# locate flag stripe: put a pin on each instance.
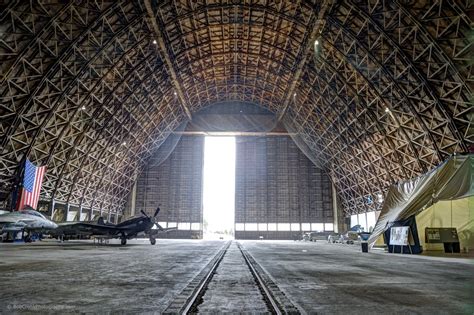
(32, 180)
(39, 180)
(22, 197)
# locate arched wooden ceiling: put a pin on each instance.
(89, 88)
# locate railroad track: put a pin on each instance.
(189, 299)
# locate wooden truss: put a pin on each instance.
(90, 88)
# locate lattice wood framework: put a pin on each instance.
(90, 88)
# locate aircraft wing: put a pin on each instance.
(7, 226)
(18, 222)
(73, 228)
(161, 230)
(168, 229)
(4, 222)
(15, 220)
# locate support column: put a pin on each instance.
(80, 213)
(52, 203)
(133, 201)
(335, 208)
(67, 212)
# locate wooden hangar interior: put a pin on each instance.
(343, 113)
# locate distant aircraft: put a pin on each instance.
(128, 229)
(27, 220)
(355, 233)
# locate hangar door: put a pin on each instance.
(279, 193)
(176, 185)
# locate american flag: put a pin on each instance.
(32, 179)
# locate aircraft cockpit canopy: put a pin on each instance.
(33, 212)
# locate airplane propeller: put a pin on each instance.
(156, 212)
(149, 231)
(152, 219)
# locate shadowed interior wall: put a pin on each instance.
(176, 185)
(279, 191)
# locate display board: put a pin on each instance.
(441, 235)
(399, 235)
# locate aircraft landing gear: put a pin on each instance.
(123, 239)
(27, 237)
(152, 240)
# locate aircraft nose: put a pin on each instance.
(54, 225)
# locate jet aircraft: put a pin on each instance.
(27, 220)
(125, 230)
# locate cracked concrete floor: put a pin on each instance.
(324, 278)
(81, 276)
(339, 279)
(233, 288)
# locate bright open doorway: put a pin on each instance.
(219, 187)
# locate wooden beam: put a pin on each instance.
(308, 51)
(233, 133)
(169, 64)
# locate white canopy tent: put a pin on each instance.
(453, 179)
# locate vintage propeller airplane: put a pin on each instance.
(128, 229)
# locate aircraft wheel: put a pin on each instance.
(123, 241)
(152, 240)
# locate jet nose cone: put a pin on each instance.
(54, 225)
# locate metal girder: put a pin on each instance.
(386, 97)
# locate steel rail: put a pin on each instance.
(197, 286)
(266, 293)
(189, 299)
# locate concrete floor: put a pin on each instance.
(322, 278)
(233, 288)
